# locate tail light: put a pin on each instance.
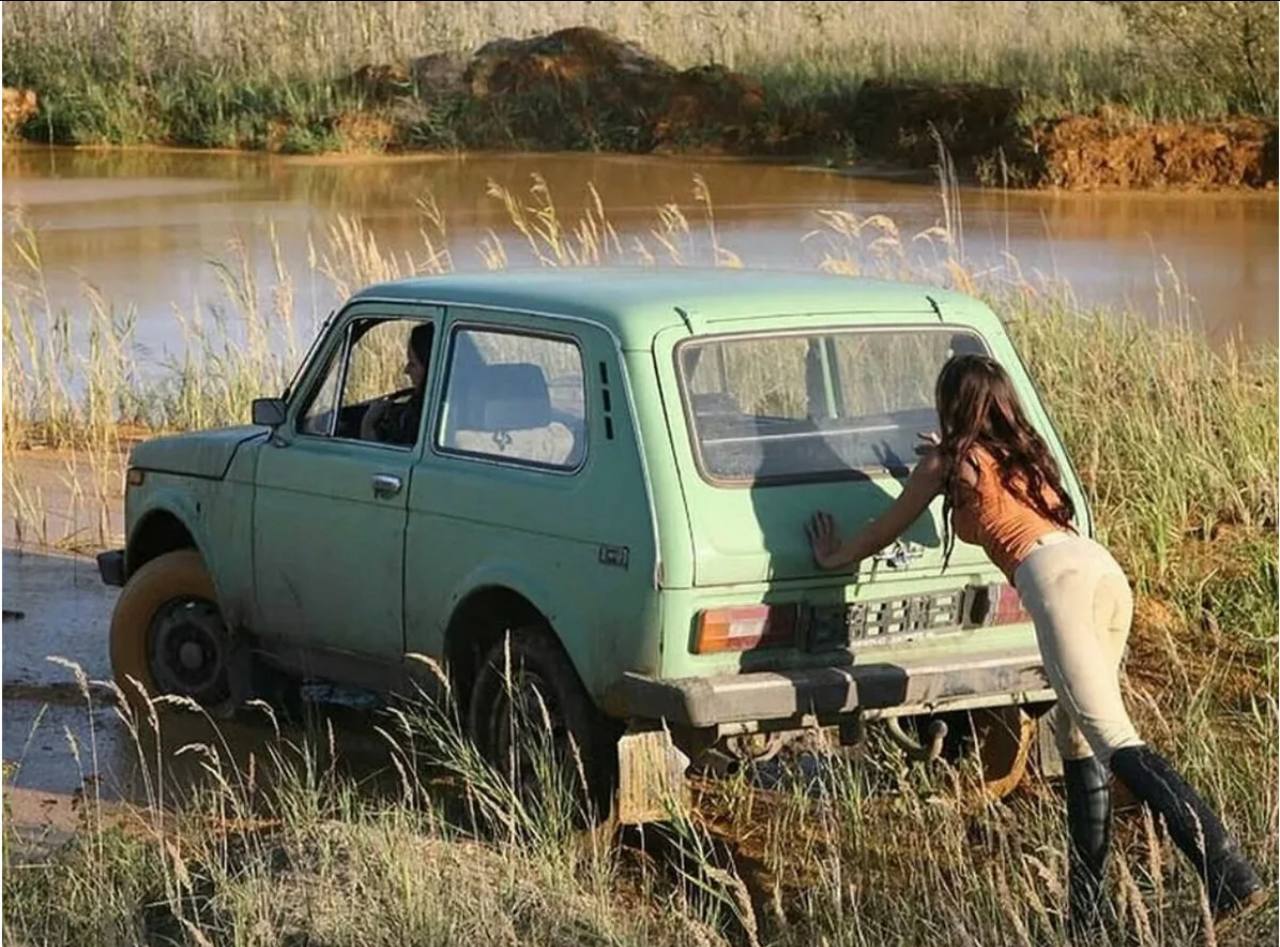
(995, 605)
(745, 628)
(1007, 607)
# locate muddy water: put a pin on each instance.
(143, 226)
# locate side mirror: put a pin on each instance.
(268, 412)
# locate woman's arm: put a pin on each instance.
(922, 486)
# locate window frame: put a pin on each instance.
(877, 472)
(342, 348)
(474, 325)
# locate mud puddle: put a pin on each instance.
(66, 742)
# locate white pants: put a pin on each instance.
(1082, 606)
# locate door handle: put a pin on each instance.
(386, 485)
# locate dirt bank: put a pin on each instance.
(982, 129)
(582, 89)
(20, 106)
(1111, 149)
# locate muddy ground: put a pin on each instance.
(67, 746)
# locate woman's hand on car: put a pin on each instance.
(824, 540)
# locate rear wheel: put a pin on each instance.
(532, 719)
(167, 633)
(1005, 737)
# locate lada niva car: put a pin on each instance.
(599, 478)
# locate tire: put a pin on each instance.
(1005, 738)
(167, 633)
(539, 666)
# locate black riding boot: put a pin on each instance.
(1089, 828)
(1195, 828)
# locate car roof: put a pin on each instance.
(635, 303)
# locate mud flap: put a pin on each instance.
(651, 776)
(1005, 736)
(1048, 759)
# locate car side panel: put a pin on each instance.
(579, 546)
(218, 514)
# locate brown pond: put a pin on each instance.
(142, 226)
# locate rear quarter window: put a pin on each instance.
(515, 397)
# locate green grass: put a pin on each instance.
(270, 75)
(1175, 441)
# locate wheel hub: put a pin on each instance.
(191, 655)
(189, 650)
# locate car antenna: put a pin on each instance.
(937, 310)
(684, 317)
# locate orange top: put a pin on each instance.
(1002, 523)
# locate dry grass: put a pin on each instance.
(432, 846)
(1177, 446)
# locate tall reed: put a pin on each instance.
(1175, 442)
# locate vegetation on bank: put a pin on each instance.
(1176, 443)
(765, 78)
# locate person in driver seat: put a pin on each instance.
(390, 420)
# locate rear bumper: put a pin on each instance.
(923, 685)
(111, 567)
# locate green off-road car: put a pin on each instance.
(598, 479)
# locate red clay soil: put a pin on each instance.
(980, 127)
(1099, 151)
(19, 106)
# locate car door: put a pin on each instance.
(331, 490)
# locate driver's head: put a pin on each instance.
(419, 355)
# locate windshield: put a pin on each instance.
(813, 405)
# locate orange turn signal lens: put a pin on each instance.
(745, 628)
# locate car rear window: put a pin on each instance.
(813, 405)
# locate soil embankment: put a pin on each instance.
(582, 89)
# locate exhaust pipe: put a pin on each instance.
(923, 753)
(715, 762)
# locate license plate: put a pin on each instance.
(838, 626)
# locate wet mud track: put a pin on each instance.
(65, 740)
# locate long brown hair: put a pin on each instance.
(978, 407)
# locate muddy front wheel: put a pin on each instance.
(167, 633)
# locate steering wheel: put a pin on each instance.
(398, 397)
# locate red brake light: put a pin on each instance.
(1008, 607)
(745, 628)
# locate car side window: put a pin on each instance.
(378, 392)
(318, 415)
(516, 397)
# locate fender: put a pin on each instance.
(191, 508)
(567, 622)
